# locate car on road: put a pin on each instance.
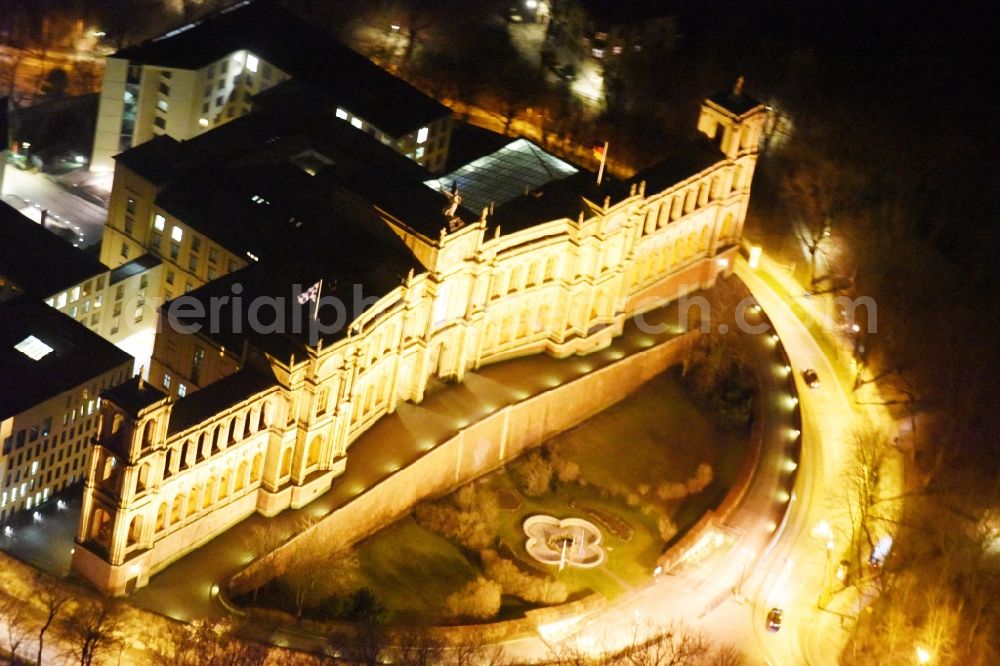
(774, 619)
(811, 378)
(564, 72)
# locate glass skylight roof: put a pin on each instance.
(504, 175)
(33, 348)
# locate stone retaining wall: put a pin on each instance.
(475, 450)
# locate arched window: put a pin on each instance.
(134, 530)
(255, 469)
(223, 490)
(218, 444)
(265, 410)
(241, 476)
(247, 420)
(147, 433)
(314, 451)
(206, 497)
(142, 479)
(231, 434)
(192, 505)
(161, 518)
(286, 462)
(204, 446)
(177, 509)
(169, 462)
(100, 526)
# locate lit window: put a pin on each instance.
(166, 381)
(33, 348)
(252, 63)
(176, 234)
(162, 105)
(356, 122)
(422, 135)
(342, 114)
(420, 152)
(61, 301)
(34, 466)
(181, 390)
(98, 301)
(50, 302)
(74, 295)
(203, 122)
(159, 222)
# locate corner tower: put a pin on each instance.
(733, 120)
(126, 464)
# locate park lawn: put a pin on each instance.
(655, 435)
(411, 570)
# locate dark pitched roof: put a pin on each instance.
(133, 395)
(696, 156)
(156, 160)
(302, 50)
(735, 102)
(212, 399)
(78, 354)
(38, 261)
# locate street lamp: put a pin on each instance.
(923, 655)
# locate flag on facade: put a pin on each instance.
(599, 152)
(310, 294)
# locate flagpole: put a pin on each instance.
(318, 293)
(604, 157)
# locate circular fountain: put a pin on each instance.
(568, 542)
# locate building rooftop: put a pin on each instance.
(735, 100)
(133, 395)
(512, 171)
(36, 260)
(156, 159)
(44, 353)
(134, 267)
(228, 391)
(303, 51)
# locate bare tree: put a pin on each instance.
(93, 627)
(53, 595)
(14, 618)
(415, 646)
(205, 644)
(816, 191)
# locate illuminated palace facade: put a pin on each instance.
(169, 474)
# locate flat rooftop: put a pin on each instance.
(44, 353)
(38, 261)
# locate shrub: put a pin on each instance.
(702, 477)
(541, 589)
(479, 599)
(467, 517)
(566, 471)
(667, 528)
(672, 491)
(533, 474)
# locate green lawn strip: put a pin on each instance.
(412, 570)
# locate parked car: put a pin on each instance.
(811, 378)
(774, 619)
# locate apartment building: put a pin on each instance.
(207, 73)
(52, 370)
